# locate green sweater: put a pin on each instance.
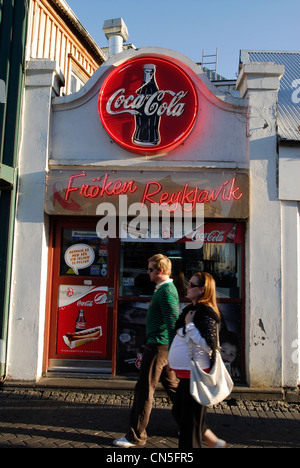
(162, 315)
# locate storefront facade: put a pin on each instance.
(125, 183)
(148, 157)
(86, 259)
(92, 196)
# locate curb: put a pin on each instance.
(121, 386)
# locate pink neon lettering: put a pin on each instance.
(70, 188)
(92, 191)
(146, 196)
(153, 191)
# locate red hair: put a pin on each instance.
(209, 297)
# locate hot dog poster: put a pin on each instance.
(82, 321)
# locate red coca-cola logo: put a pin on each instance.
(148, 105)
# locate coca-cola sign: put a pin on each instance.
(148, 105)
(215, 233)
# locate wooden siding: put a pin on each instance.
(49, 36)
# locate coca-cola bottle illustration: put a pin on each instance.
(147, 121)
(80, 323)
(231, 235)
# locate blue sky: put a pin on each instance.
(189, 26)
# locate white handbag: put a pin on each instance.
(211, 388)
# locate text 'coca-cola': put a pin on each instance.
(148, 105)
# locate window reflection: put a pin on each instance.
(222, 261)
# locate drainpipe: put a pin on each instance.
(116, 32)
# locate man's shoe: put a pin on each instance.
(123, 443)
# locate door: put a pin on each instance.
(82, 304)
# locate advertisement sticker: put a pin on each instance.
(82, 320)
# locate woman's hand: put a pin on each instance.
(190, 316)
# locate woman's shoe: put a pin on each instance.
(220, 444)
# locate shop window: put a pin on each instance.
(221, 260)
(220, 255)
(132, 336)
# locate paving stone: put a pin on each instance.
(51, 418)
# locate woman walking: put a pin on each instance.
(197, 324)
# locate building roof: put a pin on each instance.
(288, 107)
(212, 74)
(72, 18)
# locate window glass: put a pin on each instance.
(83, 253)
(73, 84)
(132, 336)
(221, 259)
(77, 82)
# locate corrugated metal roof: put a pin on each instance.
(213, 75)
(288, 111)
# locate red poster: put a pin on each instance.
(82, 321)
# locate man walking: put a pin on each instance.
(160, 331)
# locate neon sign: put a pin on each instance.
(153, 192)
(92, 191)
(227, 191)
(148, 105)
(223, 194)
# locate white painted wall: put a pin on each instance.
(28, 296)
(259, 82)
(289, 193)
(290, 293)
(289, 173)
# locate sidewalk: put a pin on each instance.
(41, 417)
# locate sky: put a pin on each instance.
(189, 26)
